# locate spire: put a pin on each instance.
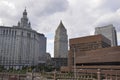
(61, 28)
(61, 25)
(25, 12)
(18, 24)
(24, 23)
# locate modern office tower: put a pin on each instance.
(21, 45)
(109, 32)
(61, 42)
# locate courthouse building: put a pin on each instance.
(21, 45)
(91, 51)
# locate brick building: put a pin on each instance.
(92, 51)
(89, 43)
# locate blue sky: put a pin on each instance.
(80, 17)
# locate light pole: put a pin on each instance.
(74, 64)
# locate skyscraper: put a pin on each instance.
(109, 32)
(61, 42)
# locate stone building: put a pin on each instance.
(61, 42)
(109, 32)
(21, 45)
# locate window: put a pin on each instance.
(28, 35)
(34, 36)
(21, 33)
(12, 32)
(3, 31)
(9, 31)
(15, 32)
(6, 32)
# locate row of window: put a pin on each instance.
(89, 46)
(86, 46)
(14, 33)
(9, 32)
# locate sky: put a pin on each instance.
(80, 17)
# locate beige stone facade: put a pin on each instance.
(61, 42)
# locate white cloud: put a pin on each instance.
(8, 4)
(1, 21)
(111, 18)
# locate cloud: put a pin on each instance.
(111, 18)
(54, 6)
(47, 7)
(1, 21)
(7, 12)
(112, 5)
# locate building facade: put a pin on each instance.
(88, 43)
(104, 56)
(61, 42)
(109, 32)
(20, 45)
(79, 47)
(59, 62)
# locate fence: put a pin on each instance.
(82, 74)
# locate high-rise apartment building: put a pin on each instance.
(109, 32)
(61, 42)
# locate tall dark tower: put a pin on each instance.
(61, 42)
